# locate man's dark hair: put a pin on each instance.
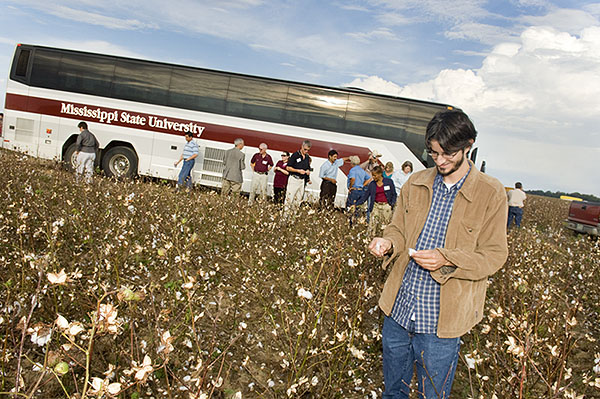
(453, 130)
(332, 153)
(82, 125)
(190, 134)
(377, 170)
(518, 185)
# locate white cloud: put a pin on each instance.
(377, 34)
(566, 20)
(482, 33)
(98, 19)
(534, 103)
(453, 11)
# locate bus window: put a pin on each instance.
(316, 108)
(44, 72)
(22, 62)
(86, 74)
(256, 99)
(137, 81)
(376, 117)
(198, 90)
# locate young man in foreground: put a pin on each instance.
(455, 218)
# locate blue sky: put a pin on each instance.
(526, 71)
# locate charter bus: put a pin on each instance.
(140, 110)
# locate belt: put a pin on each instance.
(357, 189)
(262, 173)
(298, 177)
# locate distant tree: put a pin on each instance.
(557, 194)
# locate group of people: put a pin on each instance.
(368, 182)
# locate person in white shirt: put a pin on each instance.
(400, 177)
(516, 201)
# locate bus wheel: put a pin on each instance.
(70, 159)
(120, 162)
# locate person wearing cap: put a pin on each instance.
(328, 175)
(281, 178)
(261, 164)
(370, 163)
(234, 162)
(401, 176)
(299, 168)
(357, 180)
(190, 152)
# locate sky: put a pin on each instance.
(527, 72)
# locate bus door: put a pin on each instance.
(166, 149)
(48, 137)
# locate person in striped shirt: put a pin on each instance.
(190, 152)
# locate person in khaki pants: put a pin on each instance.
(234, 163)
(381, 197)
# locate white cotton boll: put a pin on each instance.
(305, 293)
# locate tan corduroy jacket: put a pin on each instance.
(475, 243)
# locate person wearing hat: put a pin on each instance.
(370, 163)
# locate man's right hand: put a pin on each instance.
(380, 246)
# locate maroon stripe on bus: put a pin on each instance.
(212, 132)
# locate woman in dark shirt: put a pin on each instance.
(381, 195)
(281, 178)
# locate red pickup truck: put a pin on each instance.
(584, 217)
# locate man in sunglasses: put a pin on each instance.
(447, 236)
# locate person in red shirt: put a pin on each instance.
(381, 195)
(261, 163)
(281, 178)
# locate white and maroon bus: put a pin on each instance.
(139, 111)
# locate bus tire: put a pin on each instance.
(120, 162)
(70, 159)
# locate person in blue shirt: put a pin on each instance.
(357, 180)
(190, 152)
(328, 175)
(381, 197)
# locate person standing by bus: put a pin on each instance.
(370, 163)
(358, 178)
(86, 147)
(299, 168)
(328, 175)
(381, 197)
(401, 176)
(190, 152)
(234, 162)
(454, 217)
(281, 178)
(261, 164)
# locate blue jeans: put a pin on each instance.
(435, 358)
(185, 174)
(353, 197)
(516, 213)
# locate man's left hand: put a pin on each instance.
(430, 259)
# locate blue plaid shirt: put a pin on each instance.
(418, 299)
